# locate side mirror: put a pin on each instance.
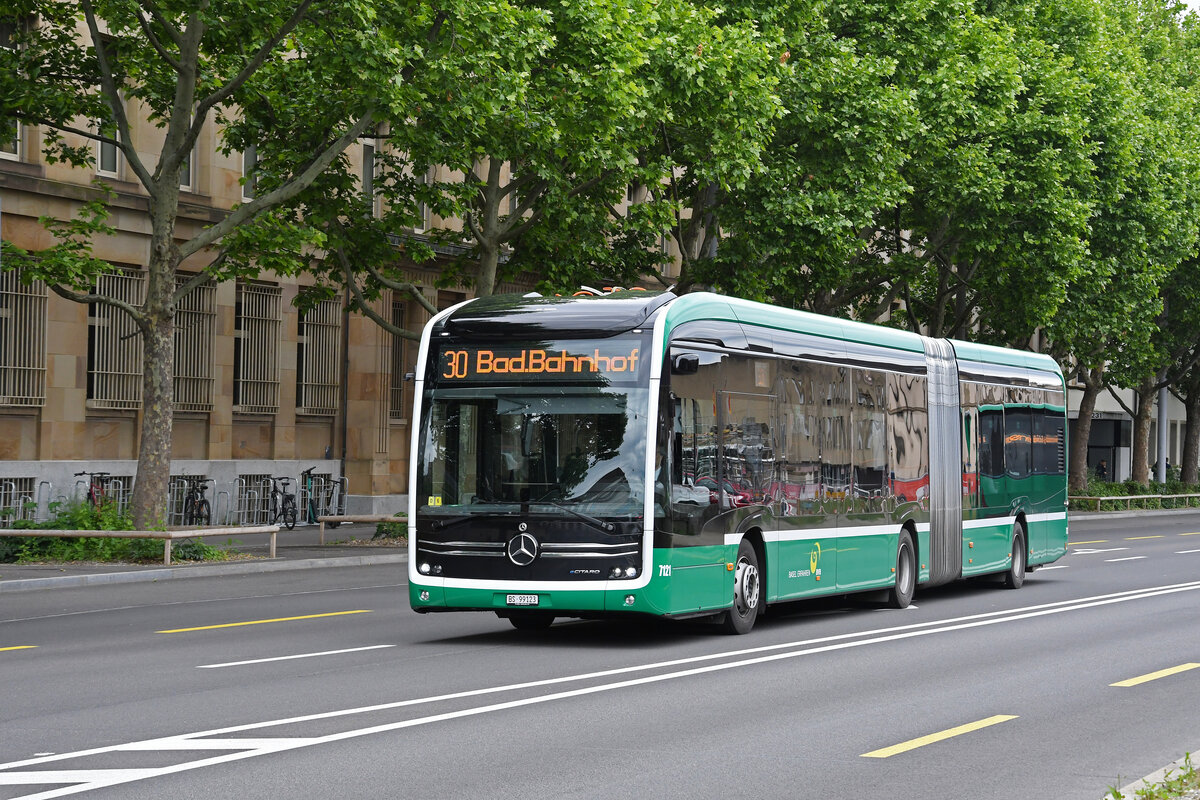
(685, 364)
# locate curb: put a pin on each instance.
(194, 571)
(1153, 779)
(1080, 516)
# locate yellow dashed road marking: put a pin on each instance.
(913, 744)
(263, 621)
(1153, 676)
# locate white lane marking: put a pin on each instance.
(1126, 558)
(289, 658)
(1091, 551)
(1181, 552)
(104, 778)
(1054, 566)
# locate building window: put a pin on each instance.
(115, 343)
(187, 177)
(368, 173)
(424, 217)
(249, 163)
(195, 324)
(257, 319)
(10, 140)
(317, 361)
(22, 341)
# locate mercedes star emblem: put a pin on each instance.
(522, 549)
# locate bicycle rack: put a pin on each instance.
(227, 518)
(43, 508)
(8, 489)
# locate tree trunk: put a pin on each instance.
(149, 503)
(489, 262)
(1141, 432)
(1191, 436)
(1077, 472)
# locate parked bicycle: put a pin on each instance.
(283, 502)
(196, 510)
(97, 491)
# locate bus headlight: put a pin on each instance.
(616, 572)
(631, 572)
(423, 569)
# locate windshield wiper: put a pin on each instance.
(607, 527)
(468, 516)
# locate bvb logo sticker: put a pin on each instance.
(814, 558)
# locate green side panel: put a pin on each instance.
(987, 549)
(689, 579)
(923, 537)
(1051, 536)
(866, 562)
(804, 568)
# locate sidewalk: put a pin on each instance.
(296, 549)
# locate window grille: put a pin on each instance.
(399, 364)
(17, 500)
(257, 319)
(195, 322)
(22, 341)
(317, 362)
(115, 344)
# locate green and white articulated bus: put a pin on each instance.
(643, 453)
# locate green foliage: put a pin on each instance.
(104, 517)
(390, 530)
(1176, 784)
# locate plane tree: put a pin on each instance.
(86, 71)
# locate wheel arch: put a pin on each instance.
(754, 535)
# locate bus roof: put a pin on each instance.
(705, 305)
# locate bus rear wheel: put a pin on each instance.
(900, 595)
(747, 592)
(1015, 576)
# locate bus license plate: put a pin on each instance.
(522, 600)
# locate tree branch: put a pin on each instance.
(77, 297)
(112, 95)
(364, 307)
(282, 194)
(256, 61)
(156, 14)
(144, 24)
(208, 273)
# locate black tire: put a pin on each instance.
(747, 592)
(900, 595)
(1014, 577)
(203, 514)
(289, 514)
(530, 620)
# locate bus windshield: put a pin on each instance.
(558, 450)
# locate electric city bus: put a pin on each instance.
(700, 455)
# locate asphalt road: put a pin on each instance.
(322, 683)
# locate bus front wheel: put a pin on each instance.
(747, 591)
(900, 595)
(530, 620)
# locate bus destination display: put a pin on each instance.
(610, 360)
